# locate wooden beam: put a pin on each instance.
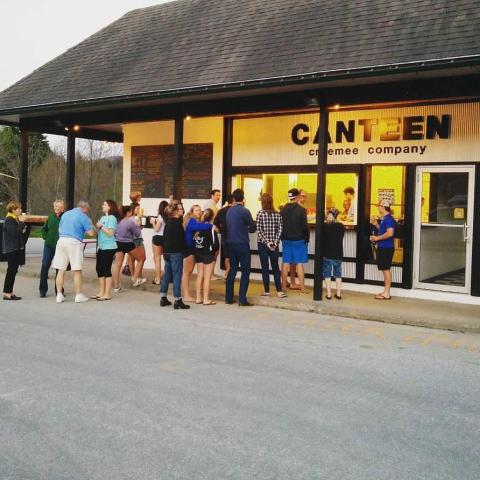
(227, 157)
(321, 185)
(70, 171)
(23, 184)
(178, 158)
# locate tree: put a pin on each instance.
(10, 155)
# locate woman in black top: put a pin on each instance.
(13, 247)
(174, 245)
(333, 233)
(206, 248)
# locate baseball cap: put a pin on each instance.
(385, 203)
(293, 193)
(334, 212)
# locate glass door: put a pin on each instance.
(443, 228)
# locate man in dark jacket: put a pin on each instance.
(239, 224)
(220, 222)
(295, 238)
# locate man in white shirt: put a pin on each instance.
(212, 203)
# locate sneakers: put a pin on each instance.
(179, 305)
(281, 294)
(139, 282)
(265, 294)
(80, 298)
(165, 302)
(117, 290)
(60, 297)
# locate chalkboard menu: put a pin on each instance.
(152, 170)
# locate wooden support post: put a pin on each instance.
(178, 158)
(321, 183)
(23, 181)
(227, 157)
(70, 171)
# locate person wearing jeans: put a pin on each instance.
(239, 224)
(269, 231)
(50, 236)
(175, 246)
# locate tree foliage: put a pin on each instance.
(10, 155)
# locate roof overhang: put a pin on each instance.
(96, 112)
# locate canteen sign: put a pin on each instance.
(430, 133)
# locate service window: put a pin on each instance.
(341, 192)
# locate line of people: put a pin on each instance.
(185, 241)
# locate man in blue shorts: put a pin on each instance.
(295, 237)
(384, 240)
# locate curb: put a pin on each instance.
(338, 310)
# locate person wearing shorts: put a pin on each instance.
(384, 239)
(295, 238)
(127, 231)
(333, 233)
(135, 265)
(158, 225)
(206, 248)
(107, 248)
(74, 224)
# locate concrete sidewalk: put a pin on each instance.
(405, 311)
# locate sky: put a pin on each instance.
(32, 32)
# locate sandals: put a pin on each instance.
(95, 297)
(207, 304)
(379, 296)
(328, 297)
(338, 297)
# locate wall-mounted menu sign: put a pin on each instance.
(152, 170)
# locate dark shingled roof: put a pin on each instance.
(192, 43)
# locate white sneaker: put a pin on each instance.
(80, 298)
(139, 282)
(117, 290)
(60, 297)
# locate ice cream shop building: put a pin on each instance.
(353, 102)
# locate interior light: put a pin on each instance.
(336, 106)
(76, 128)
(188, 117)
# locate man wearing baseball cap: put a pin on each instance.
(295, 237)
(385, 246)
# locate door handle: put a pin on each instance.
(465, 232)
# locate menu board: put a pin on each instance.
(152, 170)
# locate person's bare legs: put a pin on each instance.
(207, 277)
(188, 267)
(157, 258)
(101, 287)
(77, 281)
(328, 285)
(387, 278)
(107, 292)
(285, 269)
(293, 278)
(301, 277)
(138, 255)
(131, 263)
(338, 282)
(140, 261)
(117, 267)
(200, 279)
(60, 280)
